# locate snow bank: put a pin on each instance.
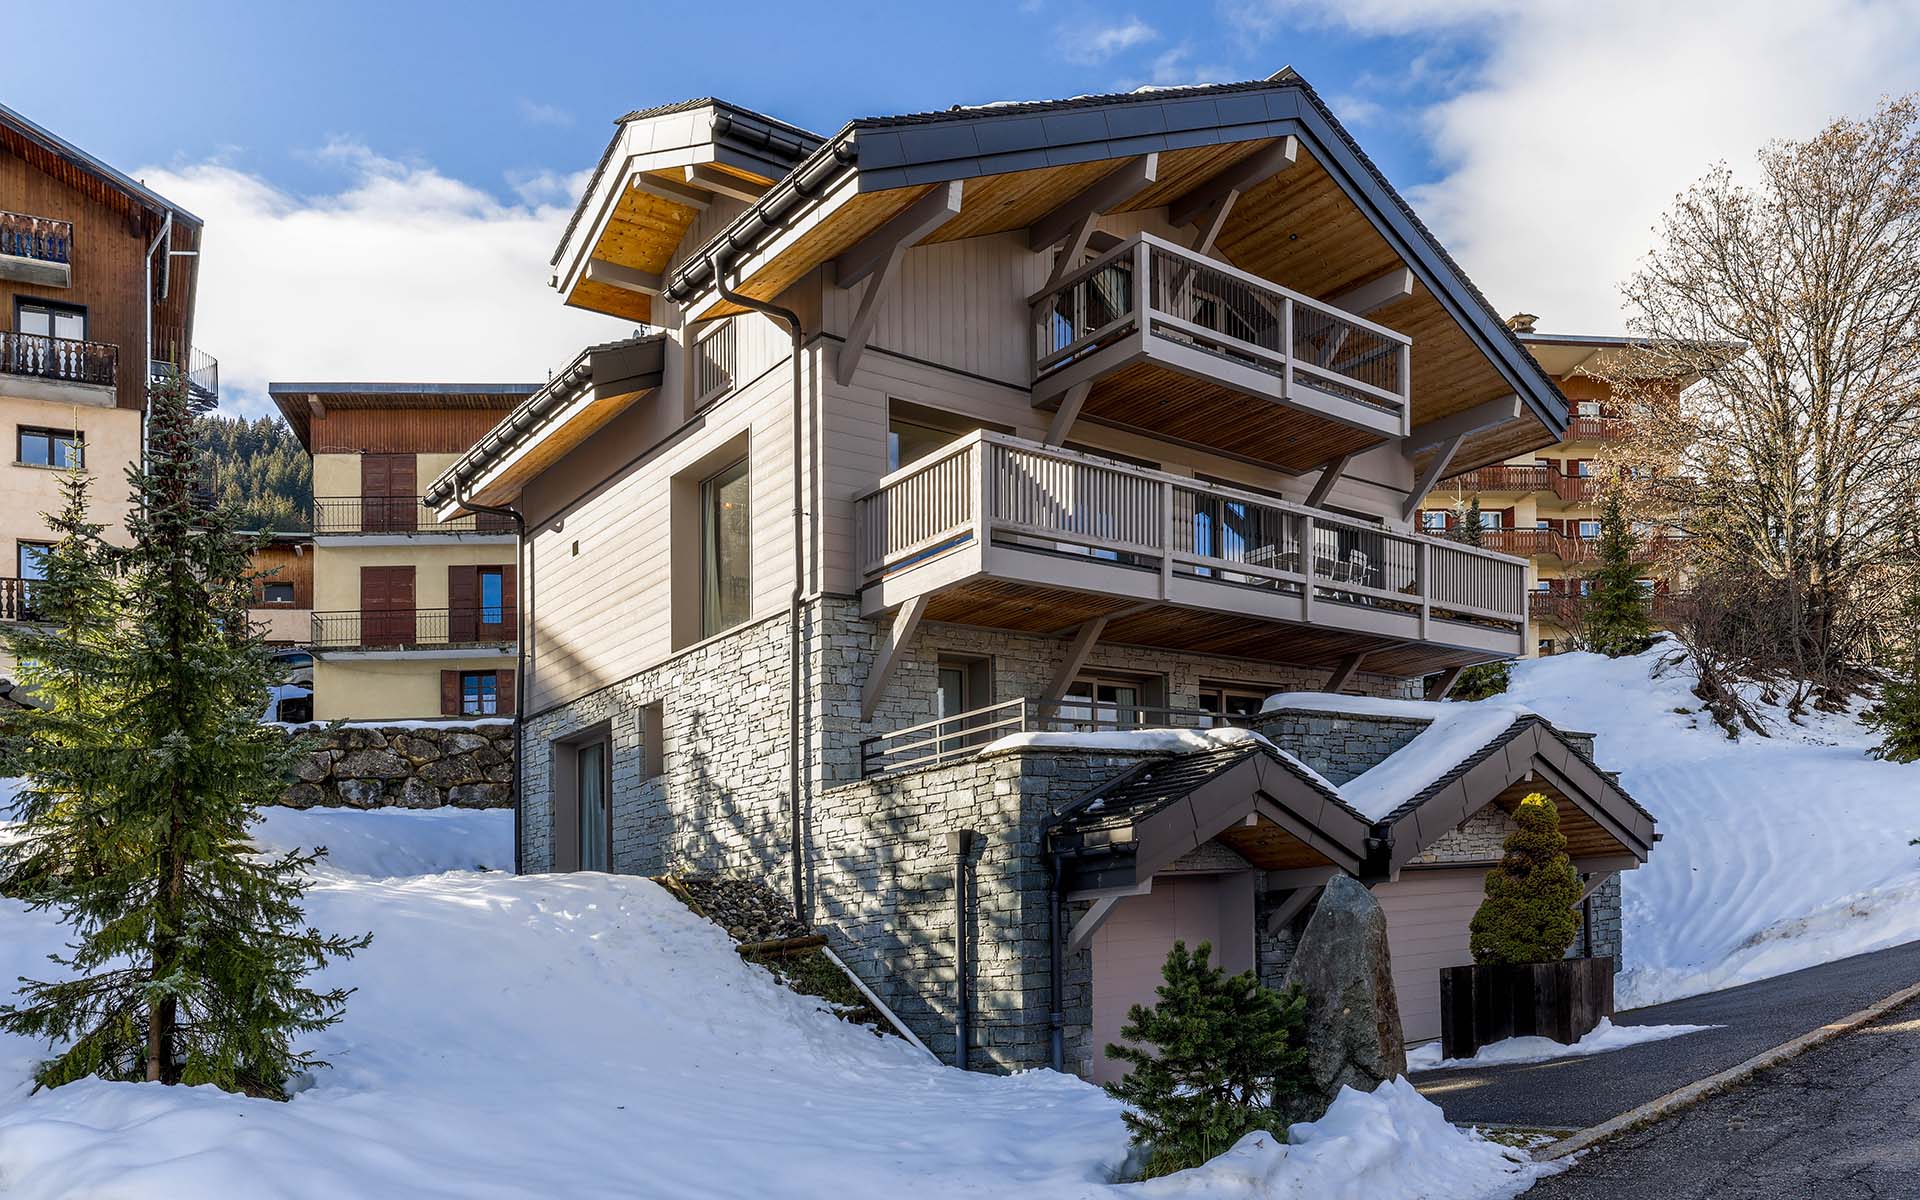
(1135, 741)
(1604, 1037)
(1390, 1143)
(1778, 853)
(386, 842)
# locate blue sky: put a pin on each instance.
(383, 183)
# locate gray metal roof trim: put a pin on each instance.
(65, 149)
(1151, 786)
(1460, 769)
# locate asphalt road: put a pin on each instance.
(1840, 1122)
(1575, 1093)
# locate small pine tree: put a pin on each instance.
(189, 950)
(1618, 619)
(1466, 524)
(1216, 1058)
(1897, 714)
(1528, 915)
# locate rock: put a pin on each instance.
(462, 742)
(478, 795)
(312, 768)
(416, 749)
(1353, 1016)
(361, 793)
(372, 764)
(304, 795)
(418, 793)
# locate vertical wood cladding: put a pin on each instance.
(289, 567)
(402, 430)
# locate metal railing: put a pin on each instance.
(202, 374)
(66, 359)
(946, 739)
(43, 238)
(395, 514)
(713, 363)
(1207, 304)
(412, 628)
(991, 488)
(16, 599)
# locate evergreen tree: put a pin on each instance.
(1218, 1057)
(259, 470)
(189, 951)
(1897, 715)
(1528, 915)
(1466, 523)
(1618, 618)
(1485, 679)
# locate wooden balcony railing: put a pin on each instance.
(1207, 304)
(412, 628)
(1596, 429)
(931, 743)
(990, 489)
(66, 359)
(1522, 478)
(395, 514)
(42, 238)
(16, 599)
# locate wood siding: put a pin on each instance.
(1427, 917)
(402, 430)
(288, 567)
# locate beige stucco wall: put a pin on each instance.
(389, 689)
(283, 623)
(113, 442)
(336, 569)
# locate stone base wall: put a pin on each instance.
(466, 765)
(1338, 746)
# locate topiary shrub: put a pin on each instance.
(1528, 915)
(1218, 1057)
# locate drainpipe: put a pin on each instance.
(519, 654)
(795, 832)
(1056, 967)
(163, 238)
(960, 845)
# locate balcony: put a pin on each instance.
(1566, 609)
(932, 743)
(63, 370)
(409, 516)
(413, 629)
(1596, 429)
(1522, 480)
(1188, 349)
(202, 374)
(36, 250)
(995, 531)
(1572, 548)
(16, 599)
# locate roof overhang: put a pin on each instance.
(299, 403)
(1565, 354)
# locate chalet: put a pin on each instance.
(976, 468)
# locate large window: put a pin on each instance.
(47, 318)
(1233, 700)
(49, 447)
(31, 561)
(493, 595)
(726, 542)
(479, 693)
(277, 593)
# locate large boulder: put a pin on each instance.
(1353, 1017)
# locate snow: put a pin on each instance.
(420, 723)
(585, 1035)
(1604, 1037)
(1137, 741)
(1778, 853)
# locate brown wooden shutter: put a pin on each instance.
(449, 693)
(463, 603)
(503, 688)
(510, 595)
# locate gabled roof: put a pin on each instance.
(296, 400)
(47, 142)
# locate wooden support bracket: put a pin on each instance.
(1114, 188)
(1432, 475)
(1448, 678)
(1344, 673)
(1296, 901)
(904, 623)
(1077, 654)
(1240, 177)
(1329, 475)
(1065, 415)
(876, 259)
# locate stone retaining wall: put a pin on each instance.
(465, 765)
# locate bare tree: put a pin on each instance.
(1794, 300)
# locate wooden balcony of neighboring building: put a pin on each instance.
(62, 370)
(16, 599)
(1520, 480)
(1000, 532)
(1595, 429)
(1572, 549)
(36, 250)
(413, 629)
(1153, 337)
(1563, 609)
(408, 516)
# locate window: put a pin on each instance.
(1587, 408)
(581, 785)
(1583, 467)
(1586, 587)
(493, 595)
(713, 364)
(479, 693)
(1542, 523)
(31, 561)
(1589, 529)
(590, 779)
(49, 447)
(1233, 700)
(48, 318)
(915, 431)
(1646, 585)
(1543, 586)
(1492, 518)
(726, 550)
(1433, 519)
(1108, 702)
(1546, 646)
(277, 593)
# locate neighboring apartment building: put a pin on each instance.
(1036, 419)
(412, 617)
(97, 285)
(282, 608)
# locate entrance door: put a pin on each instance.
(388, 493)
(592, 779)
(386, 606)
(1428, 913)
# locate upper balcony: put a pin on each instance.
(454, 631)
(1527, 479)
(1189, 349)
(997, 531)
(36, 250)
(1591, 428)
(407, 516)
(63, 370)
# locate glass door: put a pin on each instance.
(592, 775)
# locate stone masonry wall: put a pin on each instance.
(1338, 746)
(463, 764)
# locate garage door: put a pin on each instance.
(1427, 917)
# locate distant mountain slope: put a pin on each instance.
(259, 468)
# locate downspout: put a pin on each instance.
(163, 238)
(519, 655)
(795, 832)
(1056, 968)
(960, 844)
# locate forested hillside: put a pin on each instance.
(260, 469)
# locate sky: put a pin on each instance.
(383, 184)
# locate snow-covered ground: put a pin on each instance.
(584, 1035)
(1604, 1037)
(1778, 853)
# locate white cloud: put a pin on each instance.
(532, 112)
(1098, 45)
(1175, 67)
(402, 274)
(1579, 125)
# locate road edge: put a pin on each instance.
(1700, 1089)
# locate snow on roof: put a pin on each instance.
(1150, 741)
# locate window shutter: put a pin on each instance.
(463, 603)
(503, 689)
(509, 594)
(449, 693)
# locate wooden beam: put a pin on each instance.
(1593, 884)
(1071, 251)
(1240, 177)
(316, 406)
(1114, 188)
(1329, 475)
(672, 191)
(1207, 228)
(1297, 900)
(1432, 475)
(1448, 678)
(921, 218)
(1486, 415)
(1390, 287)
(1093, 918)
(1069, 410)
(599, 270)
(1344, 673)
(904, 623)
(1077, 655)
(715, 180)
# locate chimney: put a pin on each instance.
(1521, 322)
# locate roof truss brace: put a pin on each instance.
(1445, 683)
(876, 258)
(682, 194)
(1077, 654)
(1297, 900)
(1594, 883)
(1329, 475)
(1390, 287)
(1487, 415)
(1240, 177)
(1111, 190)
(316, 406)
(1095, 917)
(904, 623)
(713, 179)
(1344, 673)
(1430, 476)
(599, 270)
(1207, 228)
(1064, 416)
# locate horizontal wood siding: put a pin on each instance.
(1427, 917)
(402, 430)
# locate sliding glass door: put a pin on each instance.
(592, 778)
